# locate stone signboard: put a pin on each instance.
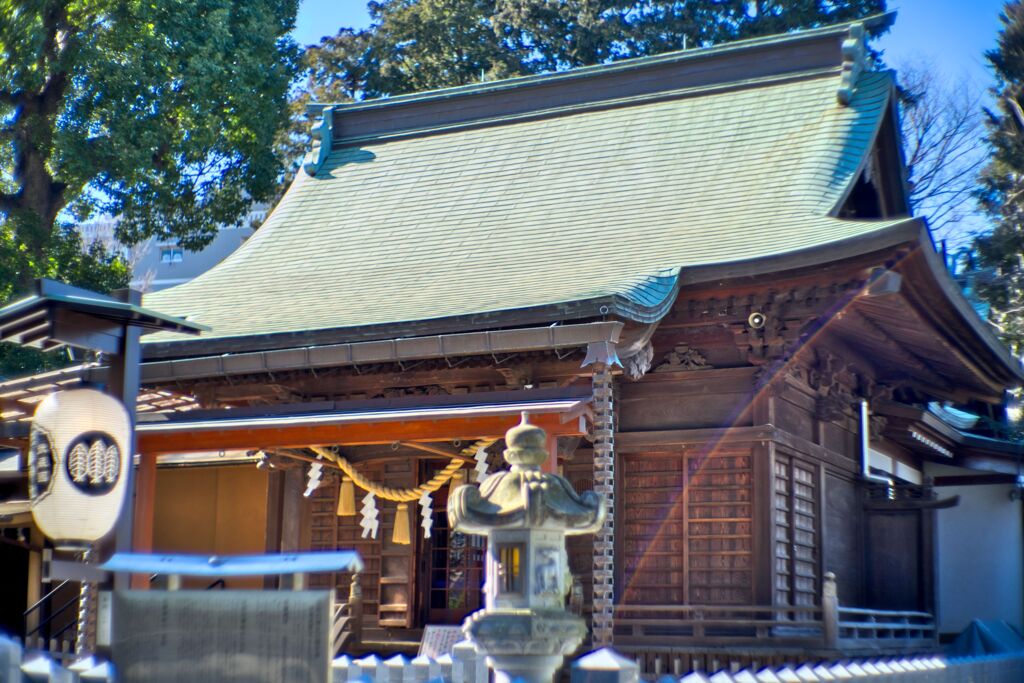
(201, 636)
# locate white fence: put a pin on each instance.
(607, 666)
(18, 666)
(465, 665)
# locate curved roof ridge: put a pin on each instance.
(874, 24)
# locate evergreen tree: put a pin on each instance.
(416, 45)
(1001, 193)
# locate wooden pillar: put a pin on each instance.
(763, 508)
(763, 522)
(275, 499)
(291, 509)
(35, 577)
(145, 510)
(551, 464)
(123, 375)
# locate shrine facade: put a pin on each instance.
(698, 272)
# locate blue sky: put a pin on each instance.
(951, 33)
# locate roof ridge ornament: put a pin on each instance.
(322, 133)
(855, 59)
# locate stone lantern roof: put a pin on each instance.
(524, 496)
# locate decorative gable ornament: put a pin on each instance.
(78, 462)
(322, 134)
(855, 58)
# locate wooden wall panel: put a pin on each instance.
(794, 418)
(687, 528)
(687, 400)
(652, 514)
(331, 532)
(842, 538)
(398, 572)
(215, 510)
(895, 563)
(682, 412)
(841, 437)
(720, 514)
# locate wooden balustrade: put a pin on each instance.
(733, 625)
(828, 627)
(908, 629)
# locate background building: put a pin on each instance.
(157, 264)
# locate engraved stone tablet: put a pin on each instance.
(200, 636)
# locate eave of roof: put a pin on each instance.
(978, 337)
(932, 291)
(971, 450)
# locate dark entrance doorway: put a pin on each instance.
(454, 576)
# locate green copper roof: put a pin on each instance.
(600, 205)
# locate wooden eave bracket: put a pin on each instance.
(323, 134)
(854, 61)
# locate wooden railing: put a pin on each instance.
(829, 627)
(724, 625)
(51, 623)
(857, 627)
(347, 626)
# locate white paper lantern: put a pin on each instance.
(78, 465)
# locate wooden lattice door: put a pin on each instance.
(456, 568)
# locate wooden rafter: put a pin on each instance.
(876, 335)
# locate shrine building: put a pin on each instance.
(698, 272)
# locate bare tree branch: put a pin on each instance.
(944, 144)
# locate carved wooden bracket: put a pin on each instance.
(683, 357)
(637, 365)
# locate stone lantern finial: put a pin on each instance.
(525, 514)
(527, 446)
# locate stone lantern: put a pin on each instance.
(525, 514)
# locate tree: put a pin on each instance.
(160, 112)
(943, 143)
(93, 267)
(415, 45)
(1001, 192)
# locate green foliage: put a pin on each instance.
(92, 267)
(416, 45)
(1001, 193)
(159, 111)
